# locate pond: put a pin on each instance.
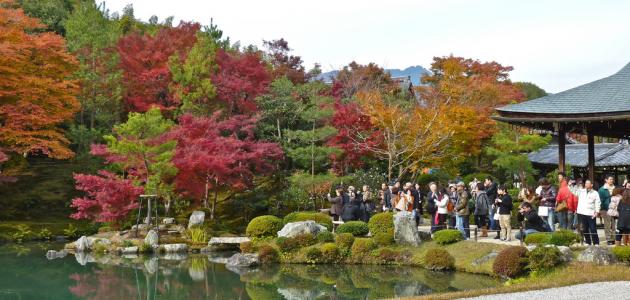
(27, 274)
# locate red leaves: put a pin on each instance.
(35, 93)
(220, 153)
(144, 61)
(108, 197)
(240, 79)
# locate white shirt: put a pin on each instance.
(588, 201)
(442, 205)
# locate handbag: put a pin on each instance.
(543, 211)
(562, 206)
(496, 216)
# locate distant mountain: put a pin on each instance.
(415, 72)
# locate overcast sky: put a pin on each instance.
(555, 44)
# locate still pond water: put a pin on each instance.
(25, 273)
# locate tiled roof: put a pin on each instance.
(607, 95)
(606, 155)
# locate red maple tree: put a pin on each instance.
(241, 78)
(219, 155)
(108, 198)
(144, 61)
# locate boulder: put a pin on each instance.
(152, 238)
(196, 218)
(597, 255)
(240, 260)
(567, 256)
(83, 258)
(129, 250)
(168, 221)
(52, 254)
(297, 228)
(484, 259)
(175, 248)
(82, 244)
(405, 229)
(96, 241)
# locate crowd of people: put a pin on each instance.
(573, 205)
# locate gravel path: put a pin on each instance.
(600, 290)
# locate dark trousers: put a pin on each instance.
(480, 220)
(588, 229)
(335, 217)
(441, 224)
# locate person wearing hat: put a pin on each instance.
(336, 202)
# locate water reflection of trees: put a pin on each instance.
(198, 277)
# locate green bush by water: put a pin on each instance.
(362, 247)
(439, 259)
(448, 236)
(344, 241)
(264, 226)
(384, 239)
(325, 236)
(382, 223)
(356, 228)
(543, 259)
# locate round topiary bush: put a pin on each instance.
(384, 239)
(313, 255)
(543, 259)
(537, 238)
(267, 254)
(361, 248)
(438, 259)
(382, 223)
(325, 236)
(344, 241)
(510, 262)
(319, 218)
(564, 237)
(622, 253)
(330, 253)
(448, 236)
(388, 255)
(356, 228)
(305, 239)
(264, 226)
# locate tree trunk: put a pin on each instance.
(214, 201)
(205, 197)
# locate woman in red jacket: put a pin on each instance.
(567, 217)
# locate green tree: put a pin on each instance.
(52, 13)
(531, 90)
(90, 33)
(191, 79)
(510, 146)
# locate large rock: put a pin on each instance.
(405, 229)
(83, 258)
(196, 218)
(297, 228)
(152, 238)
(175, 248)
(83, 244)
(52, 254)
(567, 256)
(240, 260)
(596, 254)
(482, 260)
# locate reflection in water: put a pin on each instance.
(31, 276)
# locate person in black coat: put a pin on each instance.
(504, 204)
(417, 204)
(351, 211)
(533, 222)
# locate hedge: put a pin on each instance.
(384, 239)
(361, 248)
(344, 241)
(325, 236)
(543, 259)
(564, 238)
(448, 236)
(264, 226)
(356, 228)
(537, 238)
(381, 223)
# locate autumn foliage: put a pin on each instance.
(144, 60)
(108, 197)
(36, 95)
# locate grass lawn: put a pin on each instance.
(574, 273)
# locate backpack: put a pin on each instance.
(471, 204)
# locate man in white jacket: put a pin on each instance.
(588, 207)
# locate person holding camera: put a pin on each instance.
(533, 222)
(504, 204)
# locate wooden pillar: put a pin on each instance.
(561, 148)
(591, 154)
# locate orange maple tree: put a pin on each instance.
(36, 95)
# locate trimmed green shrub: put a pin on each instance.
(304, 240)
(247, 247)
(439, 259)
(356, 228)
(564, 237)
(330, 253)
(622, 253)
(448, 236)
(388, 255)
(382, 223)
(313, 255)
(264, 226)
(537, 238)
(510, 262)
(325, 237)
(344, 241)
(319, 218)
(361, 248)
(384, 239)
(543, 259)
(267, 254)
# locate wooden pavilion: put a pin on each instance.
(600, 108)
